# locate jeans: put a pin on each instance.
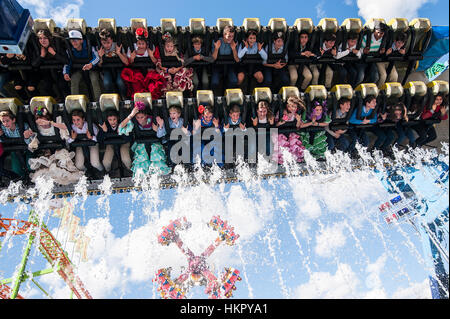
(112, 79)
(372, 75)
(427, 134)
(230, 74)
(282, 74)
(355, 73)
(341, 143)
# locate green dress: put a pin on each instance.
(141, 161)
(318, 146)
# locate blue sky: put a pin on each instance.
(311, 237)
(435, 10)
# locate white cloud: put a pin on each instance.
(320, 12)
(348, 2)
(48, 9)
(416, 290)
(330, 239)
(324, 285)
(388, 9)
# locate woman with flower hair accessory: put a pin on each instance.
(316, 142)
(155, 162)
(141, 79)
(176, 78)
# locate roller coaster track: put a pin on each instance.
(51, 250)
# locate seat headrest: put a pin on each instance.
(234, 96)
(416, 88)
(316, 92)
(288, 91)
(76, 24)
(304, 24)
(145, 97)
(109, 101)
(205, 96)
(342, 91)
(46, 101)
(76, 102)
(197, 25)
(174, 98)
(223, 22)
(169, 25)
(367, 89)
(251, 24)
(372, 22)
(10, 104)
(262, 93)
(136, 23)
(44, 24)
(399, 24)
(421, 24)
(352, 24)
(438, 87)
(392, 89)
(108, 24)
(278, 25)
(328, 25)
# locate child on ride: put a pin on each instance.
(177, 78)
(250, 46)
(290, 119)
(316, 141)
(112, 126)
(144, 163)
(80, 126)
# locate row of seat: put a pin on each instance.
(418, 35)
(412, 94)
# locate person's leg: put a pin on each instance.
(232, 76)
(393, 76)
(108, 157)
(330, 141)
(307, 77)
(95, 82)
(431, 134)
(108, 83)
(240, 78)
(205, 78)
(121, 85)
(342, 143)
(125, 155)
(381, 67)
(372, 73)
(381, 137)
(389, 139)
(75, 80)
(94, 155)
(328, 77)
(344, 74)
(293, 74)
(4, 78)
(360, 69)
(267, 76)
(215, 76)
(79, 159)
(315, 74)
(421, 130)
(411, 136)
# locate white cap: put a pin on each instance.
(75, 34)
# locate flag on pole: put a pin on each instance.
(437, 68)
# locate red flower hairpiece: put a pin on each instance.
(201, 109)
(166, 36)
(142, 32)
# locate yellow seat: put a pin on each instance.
(109, 101)
(108, 24)
(76, 24)
(46, 101)
(174, 98)
(76, 102)
(234, 96)
(328, 25)
(438, 87)
(392, 89)
(416, 88)
(251, 24)
(145, 97)
(221, 23)
(205, 97)
(262, 93)
(277, 25)
(352, 25)
(370, 24)
(136, 23)
(197, 25)
(168, 25)
(44, 24)
(342, 91)
(316, 92)
(366, 89)
(398, 24)
(10, 104)
(304, 24)
(288, 91)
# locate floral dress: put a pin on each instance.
(156, 163)
(180, 81)
(315, 142)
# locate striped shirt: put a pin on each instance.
(374, 44)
